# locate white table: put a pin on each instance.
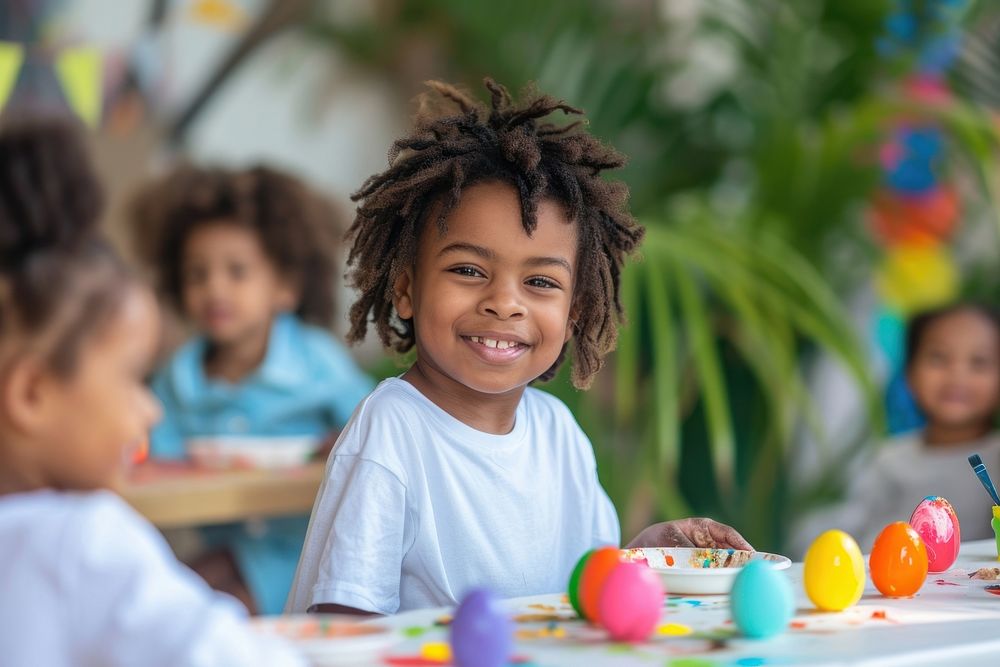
(952, 621)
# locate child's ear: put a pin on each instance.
(574, 317)
(402, 297)
(23, 394)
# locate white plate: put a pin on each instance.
(252, 452)
(686, 571)
(330, 640)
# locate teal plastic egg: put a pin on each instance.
(761, 600)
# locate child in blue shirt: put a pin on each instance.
(85, 580)
(247, 257)
(491, 244)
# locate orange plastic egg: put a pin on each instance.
(898, 562)
(595, 573)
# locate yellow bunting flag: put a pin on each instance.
(79, 72)
(11, 57)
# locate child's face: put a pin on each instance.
(491, 305)
(93, 421)
(231, 287)
(955, 374)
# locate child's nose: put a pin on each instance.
(502, 302)
(215, 282)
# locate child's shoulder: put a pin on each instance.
(182, 371)
(84, 524)
(890, 450)
(308, 334)
(393, 408)
(318, 347)
(47, 505)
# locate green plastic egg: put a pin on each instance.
(574, 582)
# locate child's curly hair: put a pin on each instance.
(468, 143)
(298, 229)
(60, 280)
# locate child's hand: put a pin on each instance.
(690, 533)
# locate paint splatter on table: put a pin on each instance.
(951, 610)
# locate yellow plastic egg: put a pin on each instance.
(834, 572)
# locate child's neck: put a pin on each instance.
(18, 474)
(942, 435)
(490, 413)
(234, 361)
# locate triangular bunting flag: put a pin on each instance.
(79, 72)
(11, 57)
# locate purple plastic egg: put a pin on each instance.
(481, 631)
(631, 602)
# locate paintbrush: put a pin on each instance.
(977, 466)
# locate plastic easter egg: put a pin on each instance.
(898, 563)
(573, 590)
(834, 571)
(630, 602)
(597, 569)
(482, 634)
(936, 523)
(761, 600)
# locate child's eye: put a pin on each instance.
(194, 275)
(937, 358)
(237, 271)
(981, 363)
(469, 271)
(544, 283)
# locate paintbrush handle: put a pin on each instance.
(984, 477)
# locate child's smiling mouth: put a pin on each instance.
(496, 348)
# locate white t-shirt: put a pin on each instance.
(84, 580)
(417, 507)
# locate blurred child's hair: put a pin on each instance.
(919, 323)
(298, 229)
(59, 279)
(462, 143)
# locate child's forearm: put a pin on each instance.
(326, 608)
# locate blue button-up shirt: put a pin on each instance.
(307, 385)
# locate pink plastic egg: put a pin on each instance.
(631, 602)
(935, 521)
